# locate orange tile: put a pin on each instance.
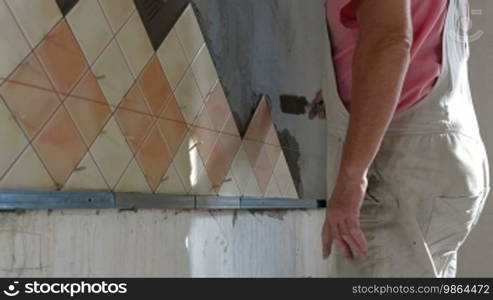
(90, 117)
(135, 101)
(154, 158)
(252, 149)
(230, 126)
(263, 170)
(272, 137)
(205, 140)
(60, 146)
(155, 86)
(173, 133)
(62, 57)
(135, 127)
(88, 89)
(30, 96)
(173, 111)
(260, 124)
(218, 107)
(203, 120)
(221, 158)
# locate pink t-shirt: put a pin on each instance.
(426, 54)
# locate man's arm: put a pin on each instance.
(380, 64)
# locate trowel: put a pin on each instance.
(298, 105)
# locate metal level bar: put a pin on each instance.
(44, 200)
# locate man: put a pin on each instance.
(407, 171)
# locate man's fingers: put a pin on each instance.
(357, 235)
(340, 242)
(327, 240)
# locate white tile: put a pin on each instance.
(189, 33)
(171, 183)
(133, 181)
(12, 139)
(252, 189)
(135, 43)
(201, 184)
(284, 178)
(117, 12)
(86, 177)
(188, 163)
(189, 98)
(242, 170)
(13, 47)
(230, 187)
(173, 59)
(204, 71)
(28, 173)
(36, 18)
(272, 190)
(111, 152)
(90, 27)
(113, 74)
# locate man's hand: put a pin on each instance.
(341, 223)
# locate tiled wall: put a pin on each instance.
(90, 102)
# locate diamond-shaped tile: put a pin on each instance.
(263, 170)
(12, 139)
(220, 160)
(111, 153)
(117, 12)
(201, 184)
(14, 47)
(155, 86)
(90, 27)
(133, 180)
(27, 173)
(113, 74)
(187, 162)
(134, 41)
(272, 190)
(273, 152)
(272, 137)
(242, 169)
(230, 187)
(171, 183)
(218, 107)
(154, 158)
(36, 18)
(203, 120)
(62, 57)
(173, 133)
(205, 141)
(252, 189)
(189, 98)
(204, 71)
(253, 150)
(30, 96)
(89, 116)
(60, 146)
(284, 178)
(135, 101)
(86, 177)
(173, 59)
(135, 126)
(172, 111)
(230, 127)
(189, 33)
(261, 123)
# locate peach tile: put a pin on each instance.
(272, 190)
(230, 126)
(272, 137)
(60, 146)
(113, 74)
(263, 170)
(86, 177)
(189, 98)
(117, 12)
(90, 27)
(204, 71)
(36, 18)
(30, 96)
(14, 47)
(89, 117)
(273, 152)
(260, 124)
(135, 101)
(205, 141)
(242, 169)
(111, 153)
(173, 133)
(27, 173)
(171, 183)
(135, 43)
(189, 33)
(253, 150)
(203, 120)
(172, 58)
(155, 86)
(284, 178)
(12, 139)
(172, 111)
(134, 126)
(62, 57)
(154, 158)
(133, 180)
(88, 89)
(221, 158)
(229, 187)
(218, 107)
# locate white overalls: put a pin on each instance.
(430, 179)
